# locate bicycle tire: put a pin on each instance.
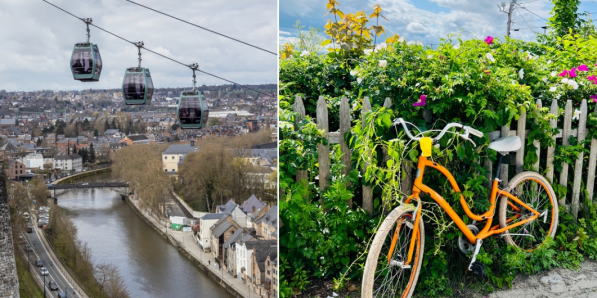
(380, 245)
(540, 197)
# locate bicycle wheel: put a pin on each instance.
(535, 191)
(390, 279)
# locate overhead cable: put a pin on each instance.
(134, 43)
(201, 27)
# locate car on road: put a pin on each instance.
(86, 183)
(61, 295)
(44, 271)
(53, 285)
(50, 185)
(28, 248)
(29, 228)
(39, 263)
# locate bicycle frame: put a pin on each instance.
(487, 231)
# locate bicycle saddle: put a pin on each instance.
(505, 144)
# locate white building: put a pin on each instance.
(174, 155)
(69, 162)
(204, 235)
(34, 160)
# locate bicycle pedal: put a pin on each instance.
(478, 270)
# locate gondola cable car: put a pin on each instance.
(86, 61)
(137, 86)
(192, 109)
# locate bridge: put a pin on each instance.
(120, 187)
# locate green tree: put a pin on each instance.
(175, 126)
(564, 16)
(95, 133)
(91, 154)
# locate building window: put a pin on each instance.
(166, 170)
(165, 157)
(172, 157)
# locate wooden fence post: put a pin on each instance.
(504, 168)
(367, 192)
(582, 124)
(323, 150)
(521, 132)
(592, 165)
(566, 132)
(345, 122)
(299, 108)
(552, 149)
(537, 144)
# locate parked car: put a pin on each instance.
(29, 228)
(44, 271)
(61, 295)
(53, 285)
(86, 183)
(28, 248)
(39, 263)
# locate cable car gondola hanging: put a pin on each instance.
(137, 86)
(85, 61)
(192, 110)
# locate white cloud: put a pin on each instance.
(415, 27)
(36, 52)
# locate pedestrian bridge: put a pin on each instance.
(58, 189)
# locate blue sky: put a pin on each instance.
(427, 21)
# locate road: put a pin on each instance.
(40, 251)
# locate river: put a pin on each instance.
(150, 266)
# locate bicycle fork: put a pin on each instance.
(404, 264)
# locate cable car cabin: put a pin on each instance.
(192, 110)
(86, 62)
(137, 87)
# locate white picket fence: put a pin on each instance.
(582, 170)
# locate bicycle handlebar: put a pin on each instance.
(465, 135)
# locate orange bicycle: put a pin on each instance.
(528, 214)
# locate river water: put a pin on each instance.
(150, 266)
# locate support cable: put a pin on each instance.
(136, 44)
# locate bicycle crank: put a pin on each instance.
(463, 244)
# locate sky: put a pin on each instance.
(37, 41)
(427, 21)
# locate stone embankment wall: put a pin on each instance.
(9, 283)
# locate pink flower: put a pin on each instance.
(421, 102)
(572, 72)
(488, 40)
(592, 78)
(583, 67)
(563, 73)
(594, 98)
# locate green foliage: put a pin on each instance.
(564, 16)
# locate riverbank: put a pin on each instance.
(74, 178)
(185, 244)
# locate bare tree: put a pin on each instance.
(110, 280)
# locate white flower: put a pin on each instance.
(383, 63)
(376, 91)
(576, 114)
(490, 57)
(419, 43)
(417, 84)
(410, 43)
(553, 89)
(368, 52)
(429, 56)
(460, 100)
(305, 53)
(353, 72)
(573, 84)
(380, 46)
(565, 80)
(554, 73)
(521, 74)
(514, 82)
(456, 46)
(359, 80)
(401, 39)
(544, 80)
(549, 62)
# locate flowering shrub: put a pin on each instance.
(483, 83)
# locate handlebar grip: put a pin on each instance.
(475, 132)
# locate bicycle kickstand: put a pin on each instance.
(477, 268)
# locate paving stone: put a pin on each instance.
(552, 278)
(558, 288)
